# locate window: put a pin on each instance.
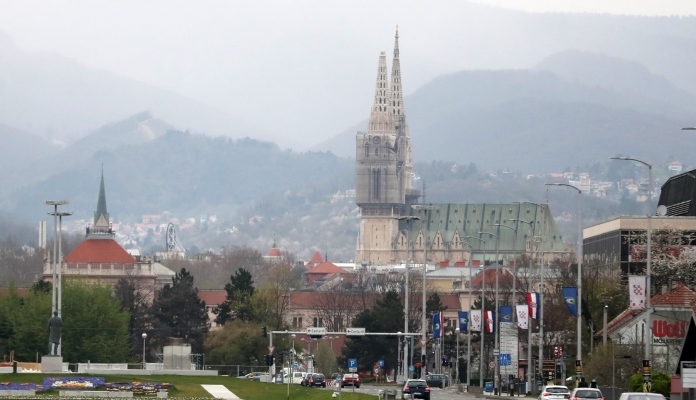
(338, 323)
(318, 322)
(297, 322)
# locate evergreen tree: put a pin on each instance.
(239, 302)
(134, 301)
(387, 315)
(178, 312)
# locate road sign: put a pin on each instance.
(352, 365)
(380, 363)
(423, 342)
(355, 331)
(312, 331)
(496, 352)
(505, 359)
(271, 349)
(411, 368)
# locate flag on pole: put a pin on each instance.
(533, 305)
(570, 296)
(475, 320)
(438, 325)
(522, 316)
(490, 321)
(505, 313)
(463, 321)
(636, 292)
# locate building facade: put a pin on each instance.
(394, 228)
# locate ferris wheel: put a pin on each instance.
(173, 245)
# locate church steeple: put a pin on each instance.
(397, 103)
(101, 225)
(380, 117)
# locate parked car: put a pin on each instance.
(417, 387)
(586, 393)
(296, 378)
(316, 380)
(554, 392)
(437, 380)
(641, 396)
(350, 380)
(255, 376)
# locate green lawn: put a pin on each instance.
(190, 386)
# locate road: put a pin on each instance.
(435, 394)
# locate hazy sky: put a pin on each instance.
(302, 69)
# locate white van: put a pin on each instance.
(295, 379)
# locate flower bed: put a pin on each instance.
(21, 386)
(77, 383)
(138, 387)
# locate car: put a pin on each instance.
(255, 376)
(554, 392)
(316, 380)
(417, 388)
(436, 380)
(641, 396)
(586, 393)
(350, 380)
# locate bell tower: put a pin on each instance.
(383, 166)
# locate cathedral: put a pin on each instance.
(395, 228)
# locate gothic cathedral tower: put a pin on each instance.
(383, 167)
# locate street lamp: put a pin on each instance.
(648, 345)
(468, 333)
(514, 257)
(290, 360)
(58, 288)
(425, 208)
(456, 332)
(483, 305)
(578, 357)
(408, 219)
(144, 337)
(56, 278)
(496, 345)
(532, 227)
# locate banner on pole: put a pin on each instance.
(463, 321)
(533, 305)
(522, 316)
(636, 292)
(438, 325)
(476, 318)
(490, 321)
(505, 314)
(570, 296)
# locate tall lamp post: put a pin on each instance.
(468, 333)
(57, 271)
(578, 357)
(647, 368)
(483, 305)
(54, 261)
(144, 337)
(529, 290)
(425, 208)
(408, 219)
(496, 351)
(456, 332)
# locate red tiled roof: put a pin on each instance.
(505, 277)
(274, 252)
(316, 258)
(99, 251)
(213, 297)
(680, 296)
(326, 268)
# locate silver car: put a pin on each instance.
(586, 394)
(641, 396)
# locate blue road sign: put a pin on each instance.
(505, 359)
(411, 368)
(352, 365)
(380, 363)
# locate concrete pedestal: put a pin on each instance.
(51, 364)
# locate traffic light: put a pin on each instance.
(268, 359)
(265, 332)
(282, 356)
(272, 360)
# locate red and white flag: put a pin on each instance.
(522, 316)
(476, 319)
(533, 305)
(636, 292)
(490, 321)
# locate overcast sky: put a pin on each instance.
(302, 69)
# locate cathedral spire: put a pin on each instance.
(397, 103)
(101, 216)
(380, 117)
